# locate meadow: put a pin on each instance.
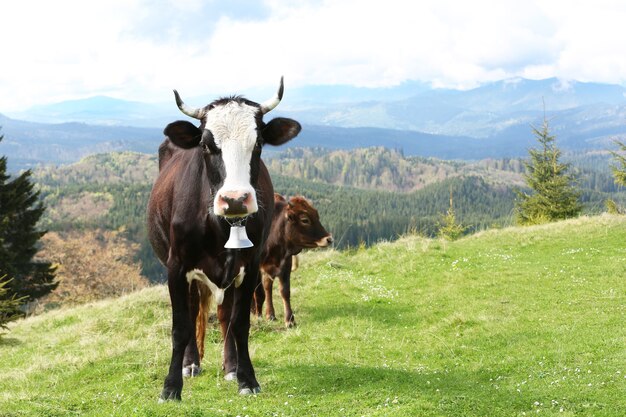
(509, 322)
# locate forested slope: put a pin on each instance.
(363, 196)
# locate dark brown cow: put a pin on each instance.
(211, 176)
(295, 226)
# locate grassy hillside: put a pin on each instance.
(509, 322)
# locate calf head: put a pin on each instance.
(232, 133)
(303, 224)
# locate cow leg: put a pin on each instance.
(181, 330)
(240, 320)
(268, 283)
(285, 292)
(191, 361)
(224, 313)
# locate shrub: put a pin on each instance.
(9, 306)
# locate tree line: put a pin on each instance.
(354, 216)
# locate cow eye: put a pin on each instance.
(208, 143)
(305, 220)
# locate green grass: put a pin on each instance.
(512, 322)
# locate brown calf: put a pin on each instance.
(295, 226)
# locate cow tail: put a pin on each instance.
(203, 318)
(295, 262)
(209, 294)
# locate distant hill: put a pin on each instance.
(31, 144)
(582, 115)
(479, 112)
(105, 169)
(388, 169)
(112, 111)
(373, 168)
(100, 110)
(411, 105)
(28, 144)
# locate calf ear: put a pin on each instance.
(280, 130)
(290, 213)
(183, 134)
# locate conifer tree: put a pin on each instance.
(619, 176)
(9, 306)
(20, 210)
(449, 227)
(619, 170)
(612, 207)
(553, 195)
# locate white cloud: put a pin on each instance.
(591, 37)
(141, 49)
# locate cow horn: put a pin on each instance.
(269, 105)
(191, 112)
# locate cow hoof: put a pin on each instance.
(231, 376)
(249, 391)
(169, 394)
(191, 370)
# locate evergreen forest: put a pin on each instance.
(363, 196)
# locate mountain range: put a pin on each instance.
(493, 120)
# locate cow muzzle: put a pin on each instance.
(325, 241)
(235, 203)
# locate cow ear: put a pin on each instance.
(290, 213)
(280, 130)
(183, 134)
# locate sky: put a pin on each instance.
(140, 50)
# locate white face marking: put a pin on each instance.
(234, 130)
